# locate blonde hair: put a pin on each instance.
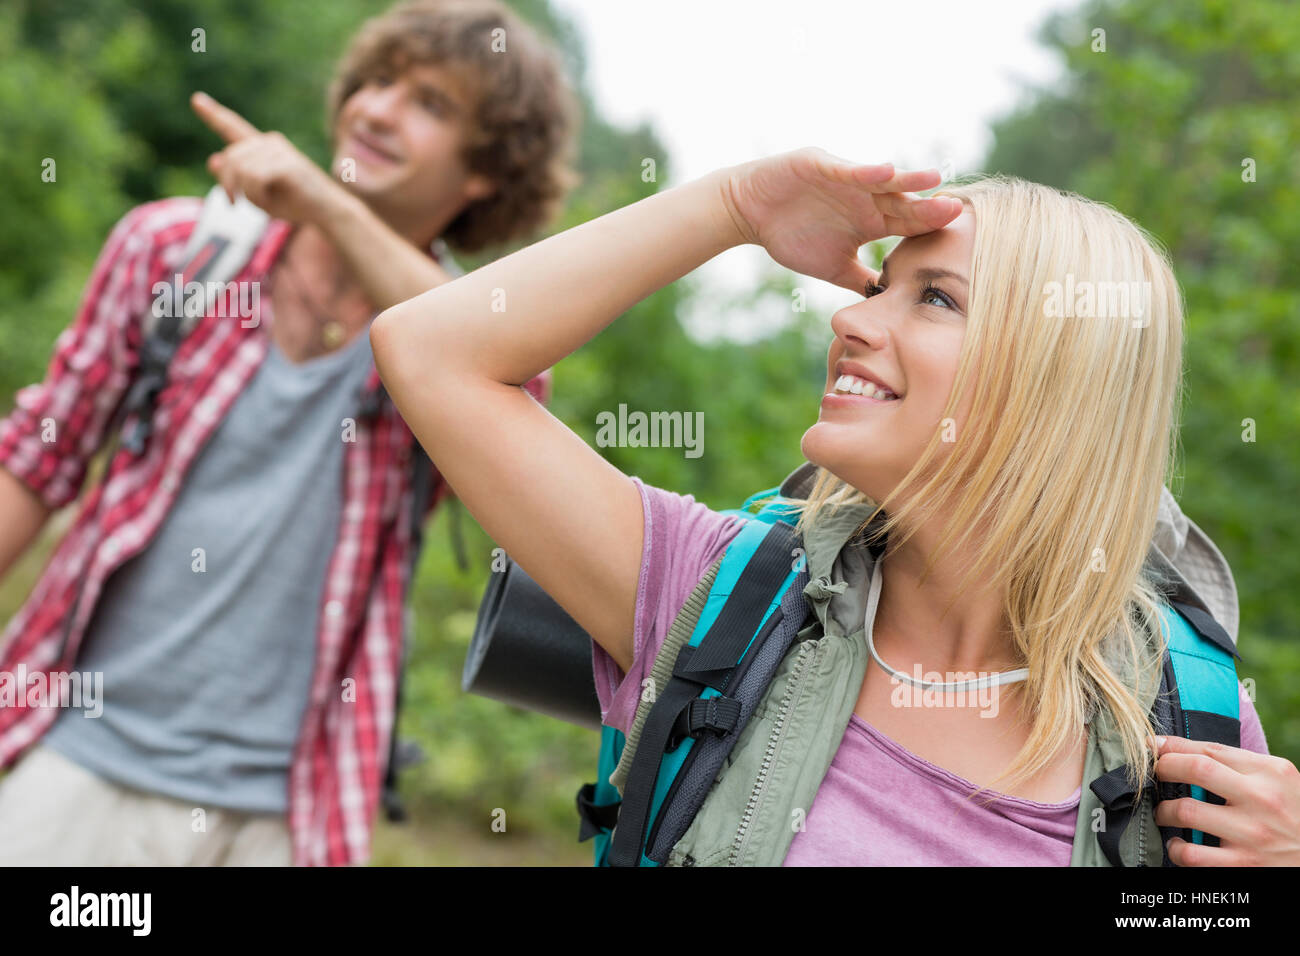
(1071, 434)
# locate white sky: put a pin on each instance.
(725, 81)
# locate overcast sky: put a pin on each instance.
(725, 81)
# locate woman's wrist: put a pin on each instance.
(707, 219)
(736, 230)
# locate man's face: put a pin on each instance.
(397, 143)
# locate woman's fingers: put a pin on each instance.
(916, 214)
(1239, 759)
(879, 177)
(1227, 823)
(910, 181)
(898, 205)
(856, 174)
(855, 276)
(940, 210)
(894, 195)
(1182, 853)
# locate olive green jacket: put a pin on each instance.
(785, 750)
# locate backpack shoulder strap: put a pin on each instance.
(739, 615)
(1204, 702)
(599, 803)
(223, 241)
(1205, 676)
(221, 244)
(691, 613)
(1197, 700)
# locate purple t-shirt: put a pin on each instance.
(879, 804)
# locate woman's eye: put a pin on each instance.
(932, 296)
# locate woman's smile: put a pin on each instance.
(850, 400)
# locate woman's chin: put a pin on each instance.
(840, 455)
(810, 445)
(832, 446)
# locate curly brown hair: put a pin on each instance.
(523, 116)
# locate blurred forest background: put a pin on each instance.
(1160, 128)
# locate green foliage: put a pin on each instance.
(1159, 126)
(103, 87)
(64, 152)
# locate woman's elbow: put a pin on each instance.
(391, 335)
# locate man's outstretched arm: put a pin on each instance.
(272, 174)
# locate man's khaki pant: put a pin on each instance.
(56, 813)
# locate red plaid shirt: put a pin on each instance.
(342, 749)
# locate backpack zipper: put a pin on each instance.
(742, 832)
(1142, 833)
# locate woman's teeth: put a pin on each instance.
(860, 386)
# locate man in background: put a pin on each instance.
(243, 577)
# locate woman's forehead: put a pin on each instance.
(953, 245)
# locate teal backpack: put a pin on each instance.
(753, 612)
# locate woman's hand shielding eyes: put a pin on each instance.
(812, 211)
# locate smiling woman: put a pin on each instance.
(991, 506)
(997, 494)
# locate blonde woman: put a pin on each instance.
(1008, 448)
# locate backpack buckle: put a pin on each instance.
(717, 715)
(594, 818)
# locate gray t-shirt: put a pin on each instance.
(207, 672)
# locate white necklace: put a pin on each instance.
(988, 680)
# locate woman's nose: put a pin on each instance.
(859, 325)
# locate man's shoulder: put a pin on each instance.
(163, 214)
(159, 224)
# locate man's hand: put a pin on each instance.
(266, 167)
(1259, 825)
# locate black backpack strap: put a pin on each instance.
(718, 737)
(1117, 798)
(710, 664)
(1206, 626)
(594, 818)
(1170, 719)
(156, 353)
(221, 245)
(1185, 721)
(421, 476)
(1113, 789)
(421, 484)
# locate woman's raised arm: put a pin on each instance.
(454, 358)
